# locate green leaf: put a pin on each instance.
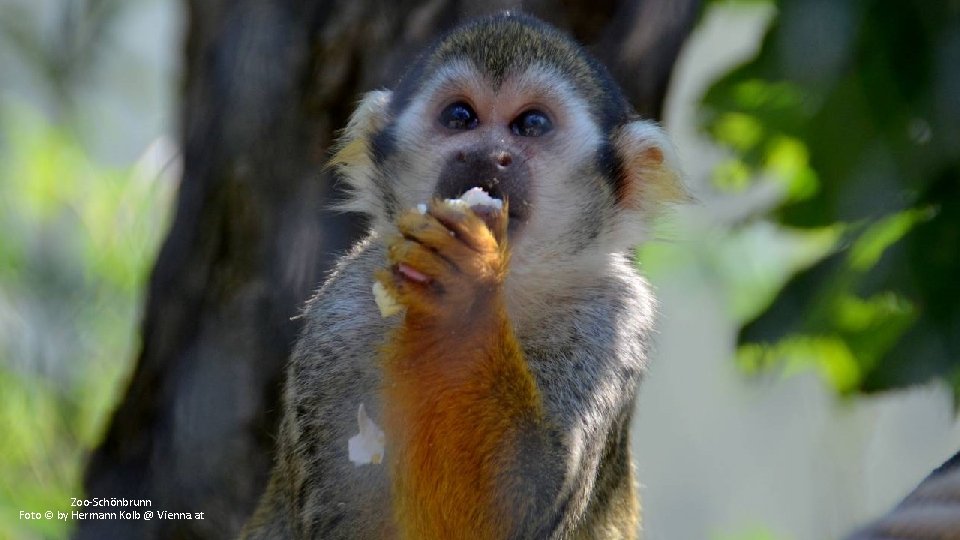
(852, 108)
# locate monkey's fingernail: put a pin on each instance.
(412, 274)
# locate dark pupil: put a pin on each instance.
(532, 124)
(458, 116)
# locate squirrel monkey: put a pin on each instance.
(505, 386)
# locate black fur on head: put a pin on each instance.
(507, 43)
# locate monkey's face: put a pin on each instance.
(529, 140)
(510, 105)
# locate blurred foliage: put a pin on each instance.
(852, 107)
(751, 533)
(61, 42)
(78, 240)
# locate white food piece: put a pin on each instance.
(459, 203)
(422, 208)
(476, 197)
(366, 447)
(385, 301)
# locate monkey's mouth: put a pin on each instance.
(485, 168)
(518, 207)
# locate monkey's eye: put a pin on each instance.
(532, 123)
(458, 115)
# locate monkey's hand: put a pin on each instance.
(448, 261)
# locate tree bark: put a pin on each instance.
(265, 85)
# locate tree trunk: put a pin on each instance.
(265, 85)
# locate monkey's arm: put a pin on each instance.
(462, 409)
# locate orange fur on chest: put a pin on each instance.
(456, 394)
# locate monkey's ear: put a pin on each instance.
(651, 176)
(353, 158)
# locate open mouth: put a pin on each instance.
(476, 188)
(516, 214)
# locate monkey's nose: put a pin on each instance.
(503, 159)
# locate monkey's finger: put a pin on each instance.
(465, 224)
(406, 293)
(418, 263)
(497, 220)
(427, 230)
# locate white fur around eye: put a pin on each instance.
(418, 146)
(418, 116)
